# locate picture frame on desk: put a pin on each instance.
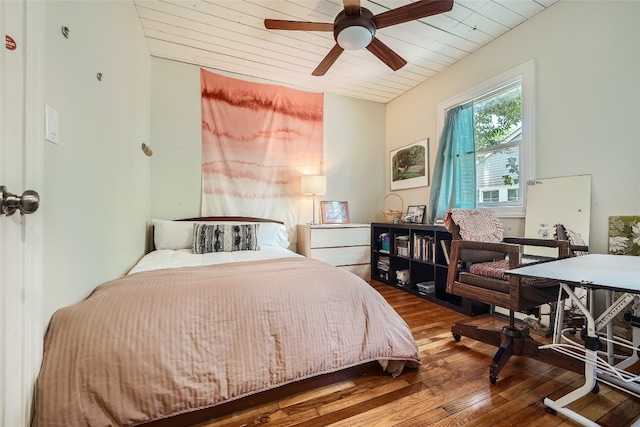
(335, 212)
(415, 214)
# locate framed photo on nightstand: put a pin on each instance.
(335, 212)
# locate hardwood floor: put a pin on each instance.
(451, 387)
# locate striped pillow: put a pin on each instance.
(224, 238)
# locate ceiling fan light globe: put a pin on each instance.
(354, 38)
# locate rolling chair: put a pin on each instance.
(478, 258)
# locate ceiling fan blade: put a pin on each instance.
(386, 55)
(351, 7)
(278, 24)
(328, 61)
(412, 11)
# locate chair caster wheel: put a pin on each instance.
(493, 378)
(595, 389)
(456, 337)
(550, 410)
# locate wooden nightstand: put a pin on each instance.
(347, 246)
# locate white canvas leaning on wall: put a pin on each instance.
(563, 200)
(551, 201)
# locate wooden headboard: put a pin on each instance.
(230, 219)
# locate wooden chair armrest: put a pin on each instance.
(511, 250)
(562, 245)
(579, 248)
(549, 243)
(501, 247)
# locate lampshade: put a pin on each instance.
(314, 185)
(354, 38)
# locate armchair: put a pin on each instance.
(477, 261)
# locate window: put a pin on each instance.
(503, 125)
(489, 196)
(497, 122)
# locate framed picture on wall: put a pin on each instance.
(409, 166)
(335, 212)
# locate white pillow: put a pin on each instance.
(172, 234)
(273, 234)
(179, 234)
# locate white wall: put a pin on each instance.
(354, 141)
(176, 138)
(587, 56)
(96, 198)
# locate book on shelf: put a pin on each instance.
(446, 247)
(423, 247)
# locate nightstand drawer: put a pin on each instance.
(348, 255)
(343, 236)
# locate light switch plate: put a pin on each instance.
(51, 124)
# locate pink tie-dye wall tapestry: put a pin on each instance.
(257, 142)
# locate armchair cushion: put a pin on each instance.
(496, 269)
(539, 293)
(493, 269)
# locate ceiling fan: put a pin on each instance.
(355, 28)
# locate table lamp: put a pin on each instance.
(314, 185)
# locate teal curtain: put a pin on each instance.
(454, 175)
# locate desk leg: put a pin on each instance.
(560, 405)
(574, 416)
(635, 340)
(634, 356)
(557, 330)
(610, 347)
(616, 307)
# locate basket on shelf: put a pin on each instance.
(392, 215)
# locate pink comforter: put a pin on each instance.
(155, 344)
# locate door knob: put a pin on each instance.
(27, 203)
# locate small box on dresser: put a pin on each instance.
(347, 246)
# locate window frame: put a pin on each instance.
(526, 74)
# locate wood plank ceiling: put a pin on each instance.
(229, 36)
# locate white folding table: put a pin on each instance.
(613, 273)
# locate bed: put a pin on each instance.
(204, 320)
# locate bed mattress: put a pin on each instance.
(158, 343)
